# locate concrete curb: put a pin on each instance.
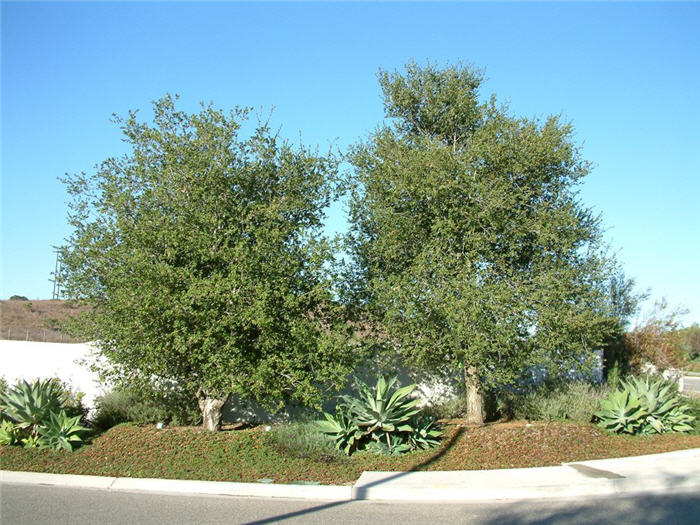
(670, 471)
(181, 486)
(228, 488)
(61, 480)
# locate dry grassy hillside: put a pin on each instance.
(39, 320)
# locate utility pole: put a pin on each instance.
(56, 281)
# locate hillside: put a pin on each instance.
(38, 320)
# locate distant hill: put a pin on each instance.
(39, 320)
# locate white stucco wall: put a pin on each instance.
(31, 360)
(69, 362)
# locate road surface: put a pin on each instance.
(691, 384)
(27, 504)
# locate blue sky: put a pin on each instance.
(626, 74)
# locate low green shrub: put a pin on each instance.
(143, 406)
(72, 400)
(574, 401)
(123, 406)
(694, 404)
(380, 421)
(614, 375)
(643, 405)
(453, 408)
(304, 440)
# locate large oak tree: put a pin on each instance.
(201, 255)
(473, 251)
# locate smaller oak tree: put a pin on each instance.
(472, 249)
(201, 256)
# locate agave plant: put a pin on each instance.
(29, 404)
(424, 434)
(30, 442)
(379, 410)
(393, 446)
(60, 432)
(622, 412)
(645, 406)
(345, 433)
(678, 419)
(9, 433)
(380, 421)
(667, 413)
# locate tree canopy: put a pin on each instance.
(201, 254)
(473, 251)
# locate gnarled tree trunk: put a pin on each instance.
(475, 395)
(211, 410)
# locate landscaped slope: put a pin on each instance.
(250, 455)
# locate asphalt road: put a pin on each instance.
(25, 504)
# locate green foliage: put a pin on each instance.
(9, 433)
(29, 404)
(452, 408)
(391, 445)
(3, 387)
(614, 375)
(660, 398)
(142, 406)
(61, 432)
(574, 401)
(342, 429)
(472, 249)
(645, 406)
(424, 434)
(30, 441)
(18, 298)
(60, 392)
(122, 406)
(304, 440)
(376, 411)
(690, 343)
(694, 409)
(621, 412)
(71, 399)
(201, 256)
(380, 421)
(43, 414)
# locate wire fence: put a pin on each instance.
(44, 335)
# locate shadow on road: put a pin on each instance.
(360, 493)
(666, 509)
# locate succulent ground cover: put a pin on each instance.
(251, 455)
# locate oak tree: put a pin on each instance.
(473, 251)
(200, 252)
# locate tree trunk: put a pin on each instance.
(475, 396)
(211, 410)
